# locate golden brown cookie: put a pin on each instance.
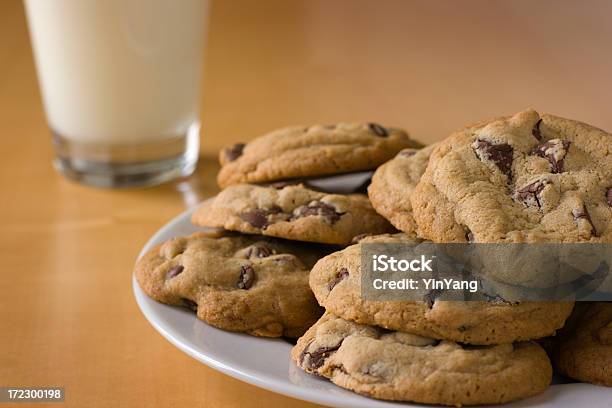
(291, 212)
(300, 151)
(528, 178)
(393, 184)
(336, 283)
(248, 284)
(406, 367)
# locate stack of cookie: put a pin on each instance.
(283, 253)
(430, 351)
(250, 274)
(522, 179)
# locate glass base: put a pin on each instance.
(125, 166)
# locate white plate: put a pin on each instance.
(266, 363)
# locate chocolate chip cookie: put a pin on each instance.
(583, 350)
(528, 178)
(406, 367)
(248, 284)
(301, 151)
(393, 184)
(292, 212)
(336, 283)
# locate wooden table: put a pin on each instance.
(67, 314)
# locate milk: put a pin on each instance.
(118, 72)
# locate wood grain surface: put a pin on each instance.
(67, 314)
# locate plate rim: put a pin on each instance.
(262, 379)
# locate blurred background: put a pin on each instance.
(428, 66)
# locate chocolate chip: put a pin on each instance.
(609, 196)
(500, 154)
(259, 250)
(535, 131)
(247, 277)
(174, 271)
(530, 194)
(431, 296)
(258, 217)
(275, 209)
(234, 152)
(342, 274)
(463, 328)
(583, 213)
(190, 304)
(318, 356)
(554, 151)
(378, 129)
(317, 208)
(469, 236)
(407, 153)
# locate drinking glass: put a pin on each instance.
(120, 81)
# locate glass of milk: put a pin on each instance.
(120, 81)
